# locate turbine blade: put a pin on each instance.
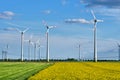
(99, 20)
(18, 30)
(93, 14)
(12, 24)
(9, 29)
(44, 23)
(25, 30)
(52, 27)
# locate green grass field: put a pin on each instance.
(20, 70)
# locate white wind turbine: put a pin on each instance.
(29, 47)
(95, 36)
(39, 46)
(35, 48)
(5, 53)
(22, 39)
(47, 35)
(22, 35)
(118, 51)
(79, 52)
(39, 49)
(7, 46)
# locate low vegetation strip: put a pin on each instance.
(80, 71)
(20, 70)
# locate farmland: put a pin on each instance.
(19, 70)
(80, 71)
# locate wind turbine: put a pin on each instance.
(118, 50)
(47, 36)
(35, 48)
(79, 52)
(39, 49)
(6, 54)
(22, 36)
(29, 47)
(95, 20)
(38, 46)
(22, 39)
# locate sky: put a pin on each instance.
(66, 37)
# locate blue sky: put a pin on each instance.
(64, 39)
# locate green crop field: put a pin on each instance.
(20, 70)
(60, 71)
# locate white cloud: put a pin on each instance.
(110, 8)
(109, 12)
(102, 3)
(6, 15)
(83, 21)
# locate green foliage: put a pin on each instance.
(20, 70)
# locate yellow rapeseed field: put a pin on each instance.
(80, 71)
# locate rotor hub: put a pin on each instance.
(95, 20)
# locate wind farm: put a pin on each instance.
(60, 40)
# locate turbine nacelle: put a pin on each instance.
(48, 27)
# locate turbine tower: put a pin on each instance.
(47, 36)
(39, 46)
(79, 52)
(29, 47)
(35, 48)
(118, 51)
(95, 35)
(6, 55)
(22, 39)
(39, 50)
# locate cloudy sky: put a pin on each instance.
(73, 19)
